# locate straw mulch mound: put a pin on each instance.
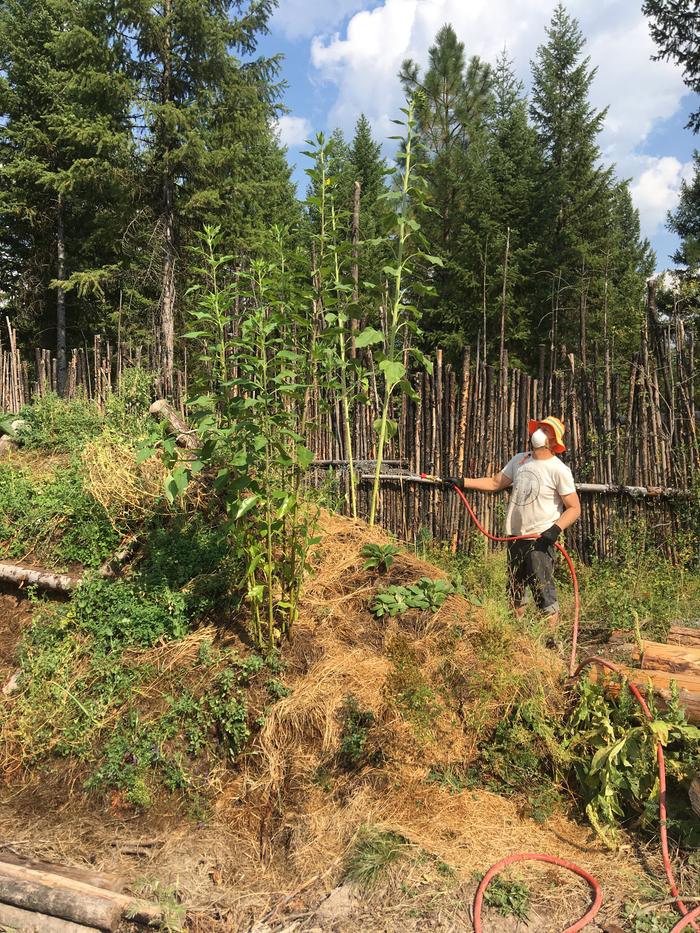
(286, 821)
(471, 668)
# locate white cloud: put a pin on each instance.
(364, 60)
(300, 18)
(656, 190)
(293, 131)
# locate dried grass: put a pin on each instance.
(342, 650)
(122, 486)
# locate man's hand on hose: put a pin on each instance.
(449, 481)
(549, 537)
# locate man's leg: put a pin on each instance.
(518, 595)
(541, 569)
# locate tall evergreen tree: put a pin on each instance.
(515, 166)
(675, 28)
(191, 82)
(685, 221)
(65, 148)
(368, 169)
(576, 190)
(453, 102)
(368, 165)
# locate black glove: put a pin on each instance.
(450, 481)
(551, 535)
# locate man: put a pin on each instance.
(543, 502)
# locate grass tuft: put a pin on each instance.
(373, 851)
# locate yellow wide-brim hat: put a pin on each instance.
(555, 425)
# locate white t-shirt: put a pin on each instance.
(536, 494)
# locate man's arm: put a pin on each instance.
(494, 483)
(572, 511)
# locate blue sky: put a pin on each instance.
(342, 57)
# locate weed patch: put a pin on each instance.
(353, 739)
(612, 749)
(56, 521)
(372, 853)
(51, 423)
(509, 898)
(425, 596)
(414, 698)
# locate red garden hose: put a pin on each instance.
(688, 917)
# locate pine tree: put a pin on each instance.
(368, 170)
(368, 166)
(515, 165)
(574, 187)
(685, 221)
(65, 147)
(453, 102)
(184, 58)
(674, 28)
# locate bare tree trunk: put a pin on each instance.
(61, 361)
(501, 346)
(483, 297)
(583, 335)
(167, 301)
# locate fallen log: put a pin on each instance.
(677, 659)
(185, 437)
(104, 880)
(660, 682)
(655, 656)
(682, 635)
(113, 564)
(71, 899)
(46, 896)
(45, 579)
(14, 918)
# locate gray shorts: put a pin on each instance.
(531, 568)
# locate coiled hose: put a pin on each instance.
(688, 917)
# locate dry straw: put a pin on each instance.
(124, 487)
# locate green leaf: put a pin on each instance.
(244, 507)
(144, 453)
(368, 337)
(393, 370)
(408, 390)
(660, 730)
(304, 457)
(176, 483)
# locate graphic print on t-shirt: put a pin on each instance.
(526, 487)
